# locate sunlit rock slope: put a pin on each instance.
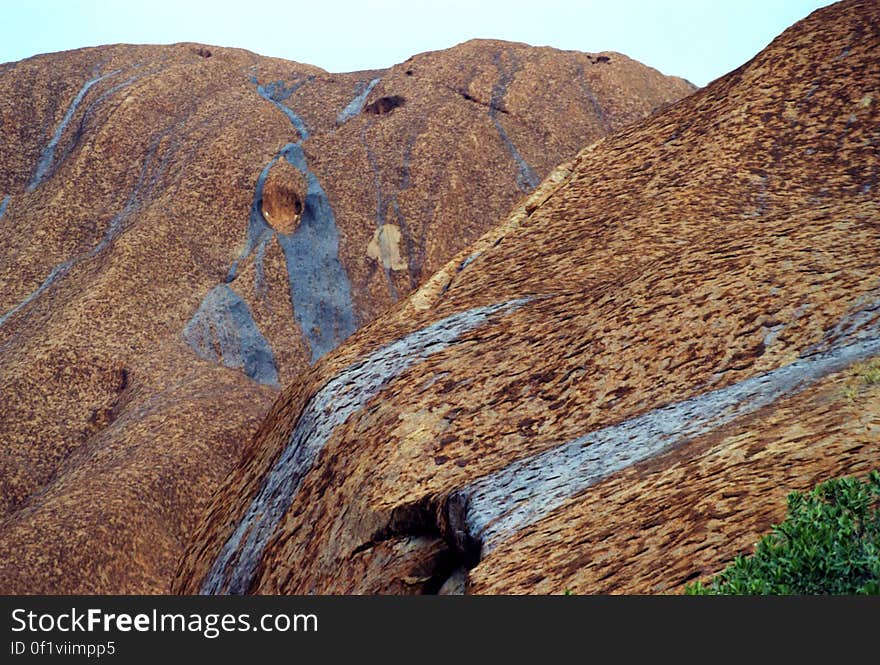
(615, 389)
(186, 228)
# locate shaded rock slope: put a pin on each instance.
(613, 390)
(184, 229)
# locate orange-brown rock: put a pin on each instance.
(284, 195)
(150, 310)
(613, 390)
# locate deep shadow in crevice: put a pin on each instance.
(429, 519)
(384, 105)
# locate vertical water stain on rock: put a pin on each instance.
(356, 105)
(45, 163)
(319, 285)
(526, 178)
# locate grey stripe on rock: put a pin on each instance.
(347, 393)
(494, 508)
(319, 285)
(223, 331)
(141, 191)
(526, 178)
(356, 105)
(277, 93)
(48, 154)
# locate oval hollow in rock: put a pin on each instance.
(284, 195)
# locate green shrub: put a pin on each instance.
(829, 543)
(862, 376)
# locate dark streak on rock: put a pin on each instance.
(598, 111)
(380, 206)
(526, 178)
(141, 191)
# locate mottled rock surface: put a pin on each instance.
(673, 330)
(186, 228)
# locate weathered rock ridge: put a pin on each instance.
(613, 390)
(187, 228)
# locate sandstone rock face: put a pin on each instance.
(616, 388)
(186, 228)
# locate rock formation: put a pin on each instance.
(186, 228)
(615, 389)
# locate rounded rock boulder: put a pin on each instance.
(284, 195)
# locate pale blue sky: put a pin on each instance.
(697, 39)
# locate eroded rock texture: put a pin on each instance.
(185, 229)
(676, 322)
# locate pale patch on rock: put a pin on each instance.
(385, 247)
(417, 428)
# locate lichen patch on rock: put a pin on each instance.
(384, 247)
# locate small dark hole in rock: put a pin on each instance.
(384, 105)
(603, 58)
(123, 380)
(409, 72)
(467, 96)
(202, 52)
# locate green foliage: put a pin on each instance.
(864, 375)
(829, 543)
